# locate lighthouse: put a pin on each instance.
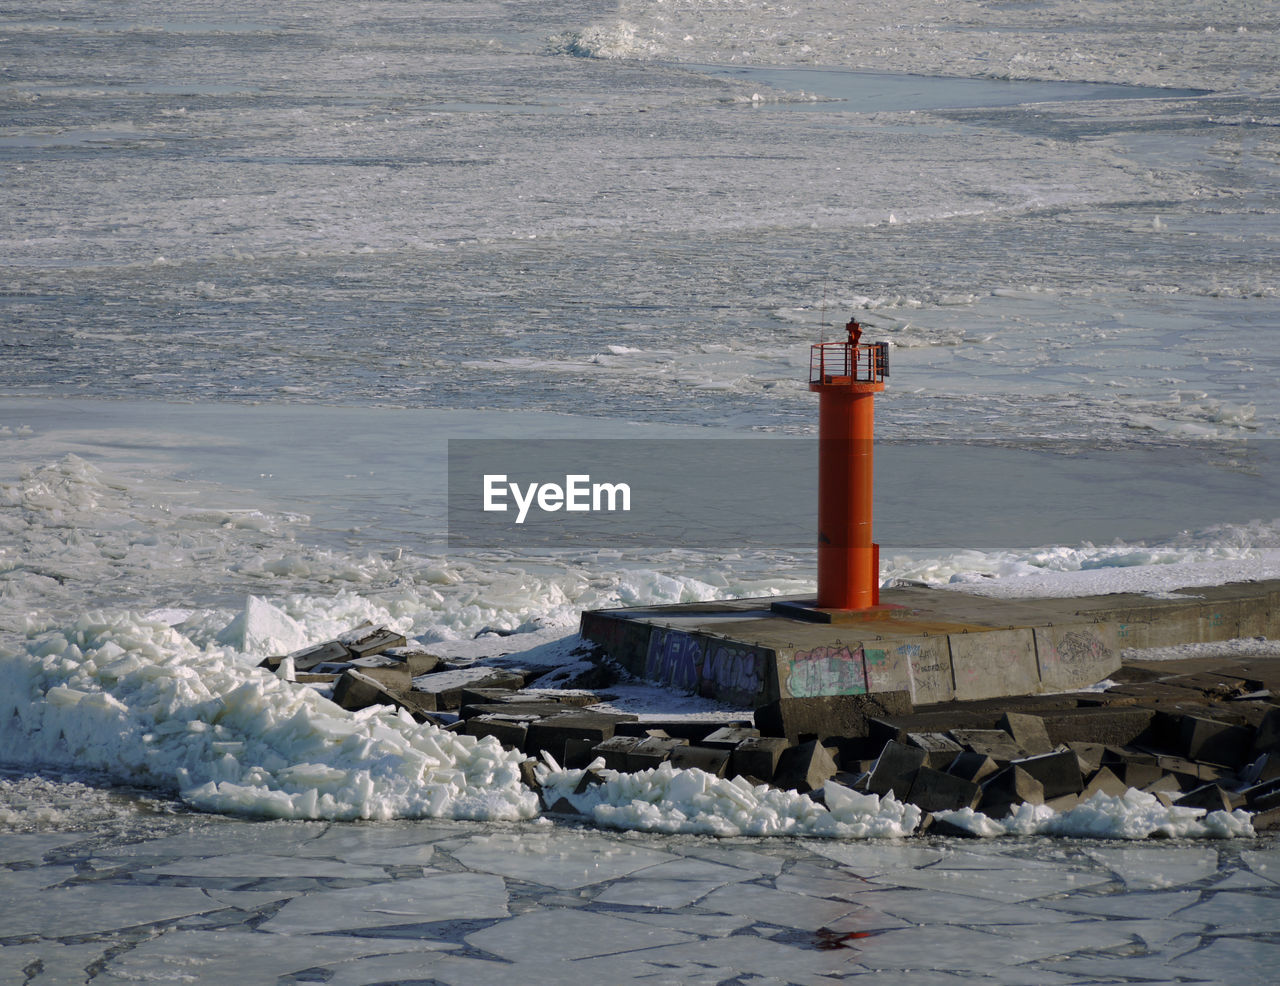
(847, 375)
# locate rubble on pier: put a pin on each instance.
(1201, 733)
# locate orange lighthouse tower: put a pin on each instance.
(847, 376)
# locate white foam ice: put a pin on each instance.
(138, 701)
(670, 799)
(1132, 815)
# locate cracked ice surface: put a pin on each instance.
(174, 899)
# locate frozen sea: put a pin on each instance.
(258, 268)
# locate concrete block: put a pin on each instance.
(1089, 754)
(974, 767)
(714, 760)
(826, 716)
(1058, 773)
(1075, 656)
(1165, 784)
(1116, 726)
(525, 710)
(1027, 731)
(355, 690)
(578, 753)
(804, 768)
(1105, 782)
(1189, 772)
(478, 695)
(309, 657)
(692, 730)
(895, 770)
(993, 743)
(1267, 739)
(1211, 797)
(1011, 786)
(933, 790)
(1064, 802)
(1216, 742)
(447, 686)
(551, 733)
(415, 658)
(939, 748)
(757, 756)
(727, 737)
(615, 751)
(651, 751)
(994, 663)
(529, 775)
(1266, 821)
(421, 707)
(1263, 797)
(392, 677)
(509, 732)
(365, 640)
(1137, 775)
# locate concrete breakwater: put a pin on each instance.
(1201, 734)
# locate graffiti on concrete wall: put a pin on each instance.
(728, 671)
(674, 659)
(1080, 647)
(732, 670)
(827, 671)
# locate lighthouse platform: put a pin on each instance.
(931, 644)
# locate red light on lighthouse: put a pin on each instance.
(847, 376)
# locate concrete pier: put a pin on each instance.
(937, 645)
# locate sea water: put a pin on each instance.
(260, 267)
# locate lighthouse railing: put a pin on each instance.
(831, 362)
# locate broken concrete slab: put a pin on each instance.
(940, 749)
(714, 760)
(447, 686)
(368, 639)
(414, 657)
(974, 767)
(1028, 732)
(1058, 773)
(727, 737)
(692, 730)
(508, 731)
(757, 756)
(1215, 741)
(825, 716)
(392, 677)
(1105, 782)
(526, 710)
(993, 743)
(932, 790)
(1011, 786)
(551, 733)
(614, 751)
(355, 690)
(895, 770)
(652, 751)
(308, 657)
(805, 767)
(1089, 754)
(1211, 797)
